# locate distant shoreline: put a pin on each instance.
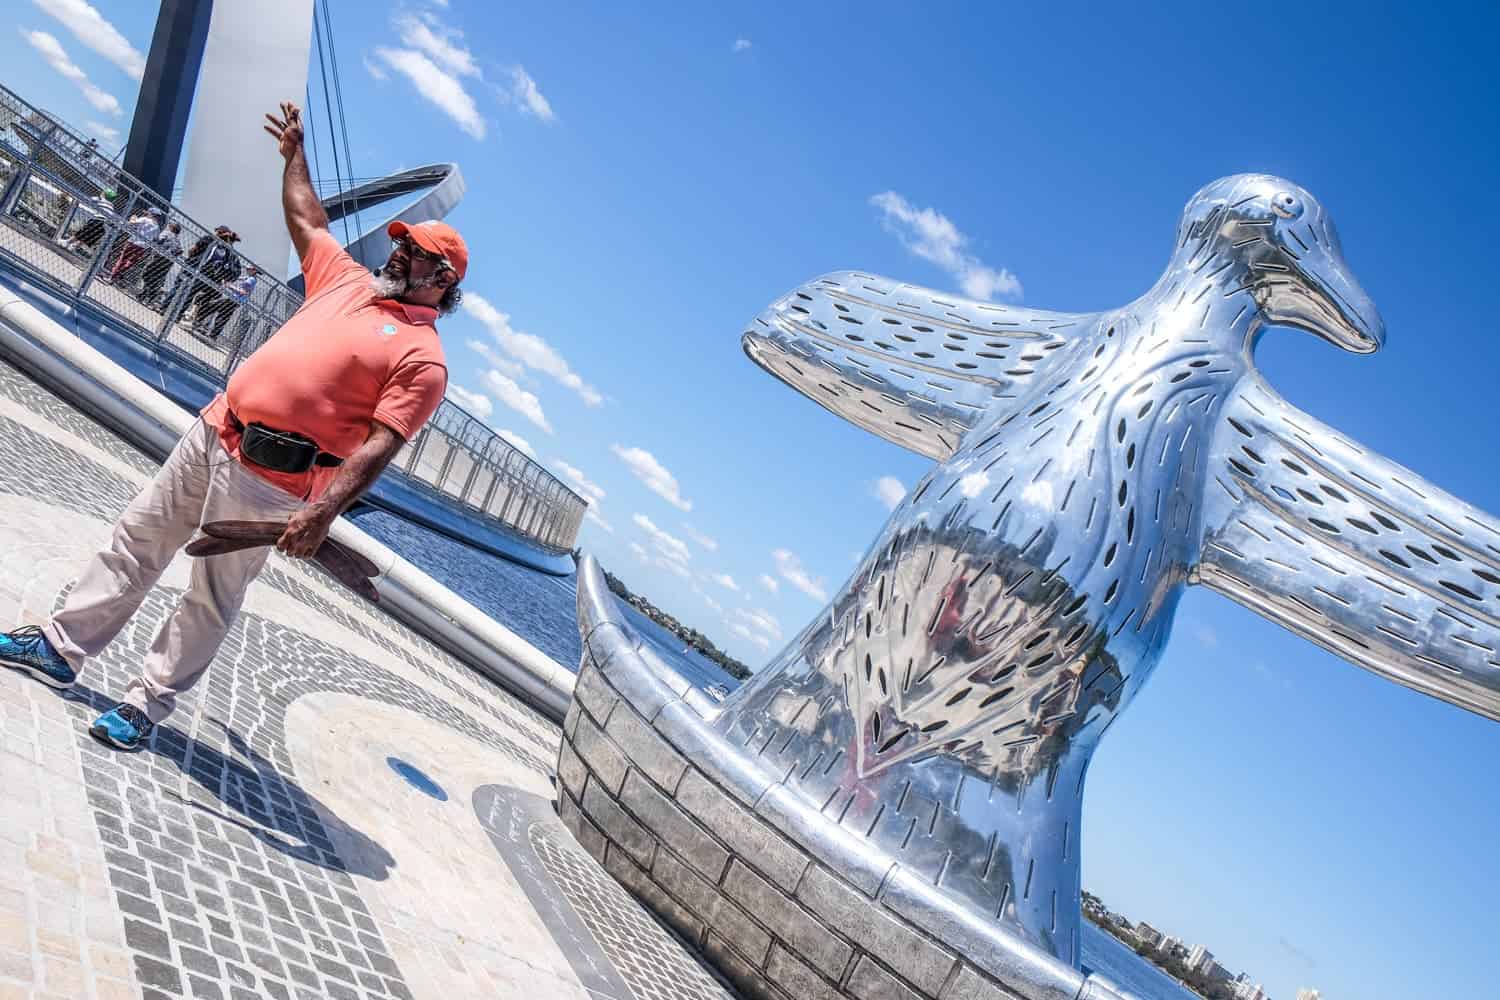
(690, 636)
(1174, 969)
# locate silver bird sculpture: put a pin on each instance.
(945, 705)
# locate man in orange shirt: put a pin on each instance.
(304, 427)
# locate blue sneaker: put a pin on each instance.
(123, 727)
(27, 650)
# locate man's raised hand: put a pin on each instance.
(286, 130)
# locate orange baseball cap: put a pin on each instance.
(435, 237)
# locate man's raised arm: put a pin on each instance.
(303, 209)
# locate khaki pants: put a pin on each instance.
(198, 483)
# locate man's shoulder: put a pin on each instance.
(324, 249)
(420, 346)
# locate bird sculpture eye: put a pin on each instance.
(1286, 205)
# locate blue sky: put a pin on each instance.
(641, 183)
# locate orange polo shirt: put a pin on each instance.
(344, 359)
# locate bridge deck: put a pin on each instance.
(338, 810)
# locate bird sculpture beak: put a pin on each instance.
(1350, 318)
(1322, 297)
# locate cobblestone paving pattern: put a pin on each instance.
(108, 494)
(201, 867)
(653, 964)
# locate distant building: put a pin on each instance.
(1247, 992)
(1307, 994)
(1217, 973)
(1147, 934)
(1200, 959)
(1169, 945)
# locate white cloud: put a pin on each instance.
(761, 619)
(586, 486)
(103, 131)
(790, 568)
(973, 484)
(90, 27)
(653, 474)
(743, 631)
(374, 68)
(57, 57)
(476, 403)
(443, 45)
(527, 348)
(1038, 493)
(591, 490)
(518, 442)
(524, 92)
(930, 235)
(1206, 635)
(725, 580)
(704, 541)
(740, 45)
(889, 491)
(670, 546)
(640, 552)
(708, 599)
(525, 403)
(769, 582)
(497, 360)
(673, 567)
(438, 86)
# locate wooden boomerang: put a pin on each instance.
(344, 564)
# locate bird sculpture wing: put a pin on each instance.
(1352, 551)
(915, 366)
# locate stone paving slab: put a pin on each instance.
(338, 810)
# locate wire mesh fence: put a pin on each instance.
(91, 233)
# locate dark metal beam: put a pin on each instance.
(161, 112)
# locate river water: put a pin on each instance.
(539, 607)
(1103, 953)
(542, 609)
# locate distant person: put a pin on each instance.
(187, 279)
(101, 211)
(236, 293)
(141, 230)
(166, 248)
(304, 427)
(217, 264)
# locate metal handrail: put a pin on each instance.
(51, 190)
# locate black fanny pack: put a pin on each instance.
(280, 451)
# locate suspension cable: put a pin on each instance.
(338, 91)
(312, 142)
(332, 133)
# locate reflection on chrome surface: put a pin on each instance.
(946, 704)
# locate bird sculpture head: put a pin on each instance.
(1281, 245)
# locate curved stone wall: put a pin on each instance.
(647, 788)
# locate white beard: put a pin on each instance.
(386, 286)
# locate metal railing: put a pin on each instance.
(76, 224)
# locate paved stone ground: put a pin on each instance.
(338, 810)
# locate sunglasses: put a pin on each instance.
(406, 246)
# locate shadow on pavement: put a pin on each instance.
(242, 785)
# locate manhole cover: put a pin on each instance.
(416, 779)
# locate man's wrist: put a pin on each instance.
(322, 510)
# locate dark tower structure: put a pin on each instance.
(161, 112)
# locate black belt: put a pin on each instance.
(280, 451)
